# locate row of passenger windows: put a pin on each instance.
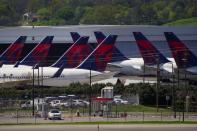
(25, 77)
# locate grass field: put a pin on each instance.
(182, 22)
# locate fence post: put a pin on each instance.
(35, 119)
(143, 116)
(98, 127)
(17, 116)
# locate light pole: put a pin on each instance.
(33, 91)
(173, 92)
(185, 84)
(144, 73)
(33, 86)
(90, 94)
(158, 83)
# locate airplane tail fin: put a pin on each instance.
(75, 36)
(99, 36)
(184, 58)
(150, 54)
(99, 58)
(39, 53)
(116, 55)
(13, 53)
(75, 54)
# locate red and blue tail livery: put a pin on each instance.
(75, 54)
(39, 53)
(99, 36)
(13, 53)
(184, 58)
(116, 55)
(99, 58)
(150, 54)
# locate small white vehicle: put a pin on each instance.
(54, 114)
(58, 103)
(120, 101)
(80, 102)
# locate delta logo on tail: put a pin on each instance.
(99, 58)
(116, 55)
(184, 58)
(39, 53)
(150, 54)
(13, 53)
(75, 54)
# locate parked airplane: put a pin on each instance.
(75, 54)
(38, 54)
(13, 53)
(35, 57)
(134, 66)
(184, 58)
(116, 54)
(98, 59)
(151, 56)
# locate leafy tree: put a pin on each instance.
(44, 13)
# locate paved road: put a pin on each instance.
(101, 128)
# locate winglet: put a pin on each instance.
(59, 72)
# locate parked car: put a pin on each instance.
(58, 103)
(120, 101)
(54, 114)
(79, 102)
(27, 104)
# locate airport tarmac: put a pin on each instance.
(138, 127)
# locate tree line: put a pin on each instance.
(74, 12)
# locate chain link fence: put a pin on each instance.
(15, 112)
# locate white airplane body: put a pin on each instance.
(26, 72)
(134, 66)
(81, 71)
